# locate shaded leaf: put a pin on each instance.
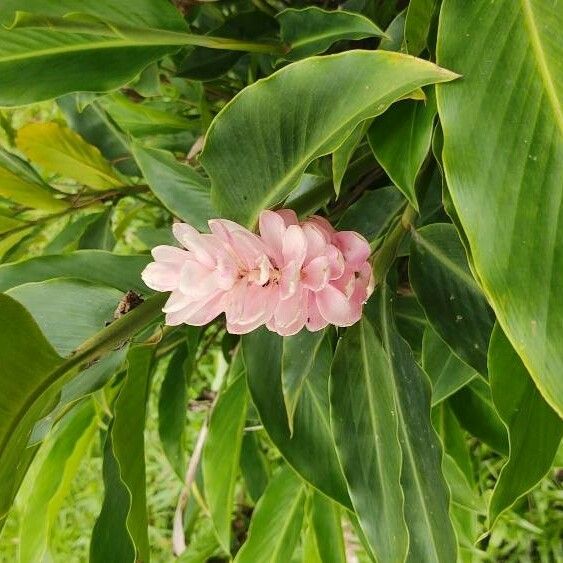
(184, 192)
(312, 30)
(310, 450)
(276, 522)
(98, 233)
(254, 466)
(400, 140)
(417, 24)
(534, 428)
(450, 297)
(221, 456)
(446, 371)
(120, 534)
(365, 429)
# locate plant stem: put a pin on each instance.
(385, 255)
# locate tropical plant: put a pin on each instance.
(434, 129)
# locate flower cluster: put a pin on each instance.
(293, 275)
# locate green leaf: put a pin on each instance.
(475, 411)
(400, 140)
(120, 534)
(299, 113)
(22, 379)
(85, 383)
(373, 213)
(503, 159)
(94, 125)
(172, 410)
(68, 311)
(298, 357)
(411, 322)
(184, 192)
(30, 194)
(87, 62)
(365, 427)
(311, 30)
(343, 154)
(276, 522)
(426, 496)
(140, 119)
(420, 14)
(69, 237)
(450, 297)
(254, 466)
(325, 517)
(96, 266)
(221, 456)
(534, 428)
(98, 233)
(40, 377)
(61, 151)
(395, 33)
(209, 64)
(446, 371)
(54, 479)
(310, 450)
(461, 490)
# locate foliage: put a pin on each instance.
(428, 431)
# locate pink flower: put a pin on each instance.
(293, 275)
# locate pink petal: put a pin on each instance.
(323, 225)
(259, 306)
(336, 308)
(203, 247)
(294, 245)
(165, 253)
(198, 313)
(290, 280)
(289, 216)
(272, 229)
(315, 321)
(336, 262)
(176, 302)
(161, 276)
(354, 247)
(316, 241)
(316, 274)
(289, 310)
(346, 283)
(197, 281)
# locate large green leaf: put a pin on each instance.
(276, 522)
(92, 55)
(417, 25)
(299, 356)
(254, 466)
(400, 140)
(120, 534)
(68, 311)
(534, 428)
(365, 429)
(221, 456)
(446, 371)
(310, 449)
(426, 495)
(31, 382)
(301, 112)
(97, 266)
(53, 481)
(503, 159)
(184, 192)
(448, 293)
(311, 30)
(23, 376)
